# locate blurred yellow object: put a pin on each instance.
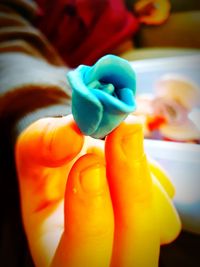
(168, 220)
(162, 177)
(152, 12)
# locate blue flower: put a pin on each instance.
(102, 95)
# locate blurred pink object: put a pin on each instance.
(84, 30)
(168, 110)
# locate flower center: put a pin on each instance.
(106, 87)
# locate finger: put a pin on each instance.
(47, 143)
(168, 219)
(136, 232)
(42, 152)
(88, 235)
(161, 175)
(50, 142)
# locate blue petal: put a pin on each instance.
(86, 108)
(115, 111)
(112, 69)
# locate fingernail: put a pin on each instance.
(132, 143)
(93, 178)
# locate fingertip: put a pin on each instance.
(50, 141)
(132, 141)
(62, 141)
(87, 175)
(127, 167)
(126, 141)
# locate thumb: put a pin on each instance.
(49, 142)
(131, 190)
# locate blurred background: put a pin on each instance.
(40, 39)
(169, 28)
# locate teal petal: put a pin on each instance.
(112, 69)
(86, 108)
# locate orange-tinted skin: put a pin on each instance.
(81, 208)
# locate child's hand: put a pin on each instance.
(80, 208)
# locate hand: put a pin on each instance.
(81, 208)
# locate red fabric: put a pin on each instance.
(84, 30)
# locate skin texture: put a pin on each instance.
(87, 202)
